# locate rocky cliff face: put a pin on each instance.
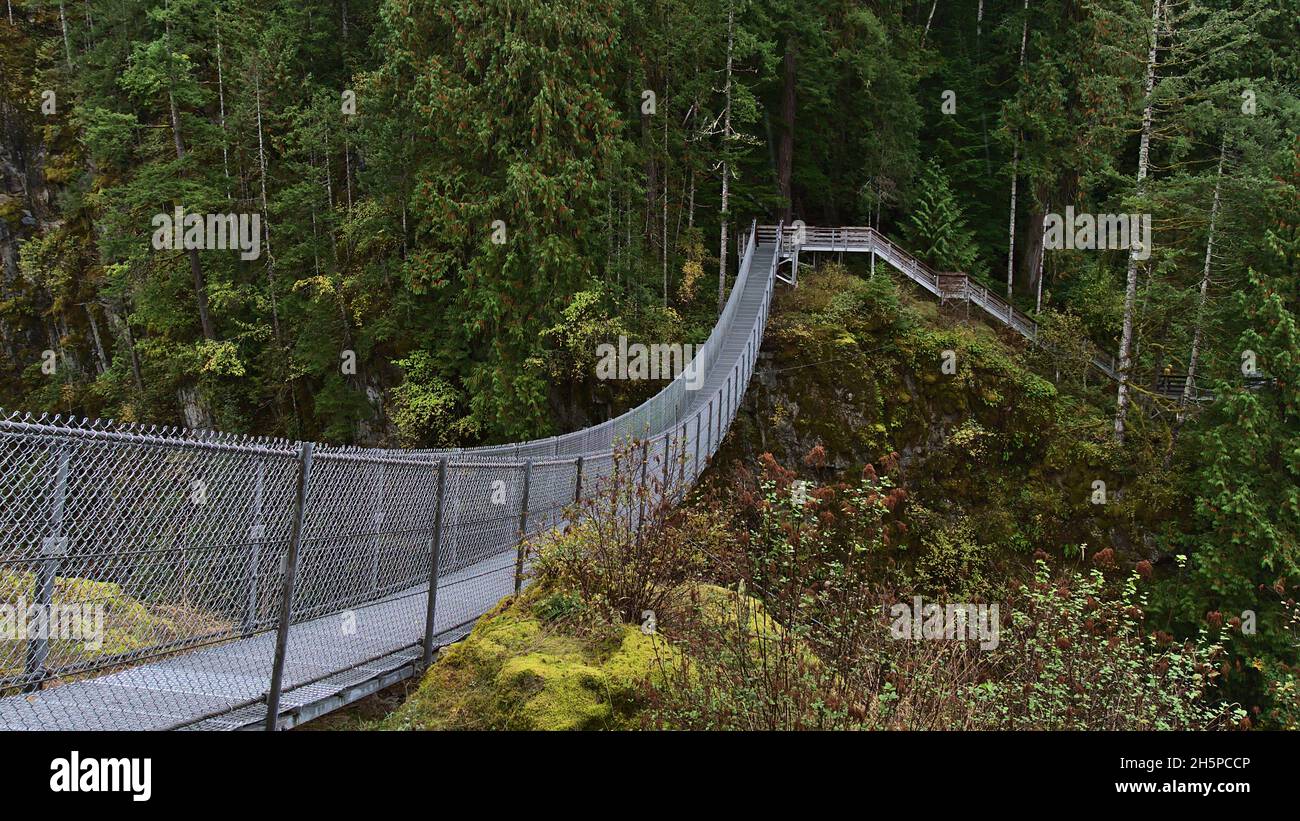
(996, 461)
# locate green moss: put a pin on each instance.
(855, 367)
(515, 672)
(128, 623)
(11, 209)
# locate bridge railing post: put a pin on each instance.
(695, 467)
(435, 549)
(577, 481)
(256, 534)
(53, 547)
(286, 586)
(523, 527)
(377, 519)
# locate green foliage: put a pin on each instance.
(1077, 656)
(936, 229)
(619, 571)
(427, 408)
(1071, 650)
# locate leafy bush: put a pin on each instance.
(602, 556)
(1078, 657)
(1076, 654)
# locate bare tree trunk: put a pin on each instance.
(664, 219)
(690, 212)
(90, 25)
(100, 355)
(1130, 291)
(929, 20)
(1205, 288)
(67, 45)
(266, 216)
(649, 234)
(329, 196)
(1011, 221)
(221, 98)
(1015, 166)
(135, 360)
(1038, 277)
(785, 149)
(726, 168)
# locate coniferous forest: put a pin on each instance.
(448, 205)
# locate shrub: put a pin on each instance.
(1079, 657)
(613, 565)
(1076, 654)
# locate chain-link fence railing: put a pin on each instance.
(155, 578)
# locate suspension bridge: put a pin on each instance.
(249, 583)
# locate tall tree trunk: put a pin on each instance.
(100, 355)
(929, 20)
(726, 168)
(90, 25)
(329, 198)
(119, 318)
(690, 212)
(1203, 299)
(1038, 275)
(67, 45)
(1031, 259)
(1130, 291)
(221, 99)
(785, 149)
(1011, 220)
(651, 171)
(664, 218)
(1015, 165)
(196, 267)
(266, 216)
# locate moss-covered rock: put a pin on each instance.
(853, 364)
(128, 623)
(517, 672)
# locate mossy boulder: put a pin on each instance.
(518, 671)
(128, 623)
(515, 671)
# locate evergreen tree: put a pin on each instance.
(936, 229)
